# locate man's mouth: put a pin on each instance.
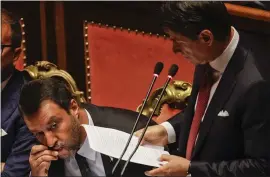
(58, 148)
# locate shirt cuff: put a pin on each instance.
(170, 130)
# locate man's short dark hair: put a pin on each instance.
(189, 18)
(36, 91)
(12, 20)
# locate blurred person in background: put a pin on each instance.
(16, 144)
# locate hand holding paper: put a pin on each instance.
(112, 142)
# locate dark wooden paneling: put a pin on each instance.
(60, 35)
(43, 30)
(51, 33)
(134, 15)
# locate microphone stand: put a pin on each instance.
(149, 119)
(136, 123)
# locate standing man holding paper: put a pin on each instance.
(55, 117)
(225, 130)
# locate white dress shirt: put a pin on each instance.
(93, 158)
(219, 64)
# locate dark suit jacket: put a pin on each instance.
(116, 118)
(16, 145)
(237, 145)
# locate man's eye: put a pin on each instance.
(54, 125)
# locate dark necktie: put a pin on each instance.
(203, 96)
(83, 165)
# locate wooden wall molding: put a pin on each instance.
(248, 12)
(43, 31)
(60, 35)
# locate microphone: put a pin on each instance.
(157, 71)
(173, 70)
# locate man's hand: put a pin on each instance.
(176, 166)
(40, 160)
(2, 166)
(156, 135)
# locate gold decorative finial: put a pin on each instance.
(45, 69)
(176, 93)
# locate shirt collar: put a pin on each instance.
(4, 83)
(85, 150)
(221, 62)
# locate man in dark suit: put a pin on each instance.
(55, 117)
(17, 142)
(225, 130)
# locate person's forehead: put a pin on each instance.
(175, 35)
(46, 114)
(49, 107)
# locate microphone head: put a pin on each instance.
(173, 70)
(158, 68)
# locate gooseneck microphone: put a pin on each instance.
(173, 70)
(157, 71)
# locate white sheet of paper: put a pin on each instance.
(111, 142)
(153, 146)
(3, 133)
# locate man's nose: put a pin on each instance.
(50, 139)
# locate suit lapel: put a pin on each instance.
(10, 95)
(221, 95)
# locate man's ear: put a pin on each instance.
(17, 53)
(206, 37)
(74, 108)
